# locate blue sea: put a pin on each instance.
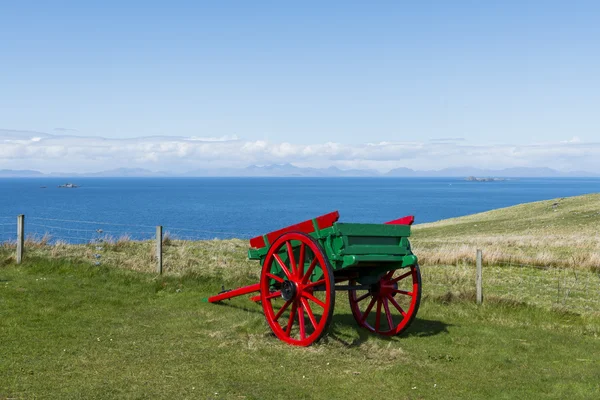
(206, 208)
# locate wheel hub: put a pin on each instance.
(288, 290)
(384, 288)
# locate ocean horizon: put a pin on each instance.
(207, 208)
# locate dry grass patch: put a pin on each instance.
(222, 259)
(561, 232)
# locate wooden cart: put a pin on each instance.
(304, 265)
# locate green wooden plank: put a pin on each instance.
(379, 250)
(372, 230)
(374, 240)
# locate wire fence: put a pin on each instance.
(567, 288)
(81, 232)
(53, 230)
(96, 235)
(8, 229)
(573, 289)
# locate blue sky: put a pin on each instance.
(503, 75)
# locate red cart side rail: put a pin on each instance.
(408, 220)
(324, 221)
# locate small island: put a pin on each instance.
(475, 179)
(69, 186)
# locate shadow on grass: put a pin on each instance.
(251, 307)
(419, 327)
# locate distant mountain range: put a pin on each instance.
(20, 173)
(289, 170)
(498, 173)
(282, 170)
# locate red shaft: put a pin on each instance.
(235, 292)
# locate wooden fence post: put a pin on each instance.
(159, 237)
(479, 279)
(20, 237)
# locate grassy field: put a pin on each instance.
(71, 330)
(561, 232)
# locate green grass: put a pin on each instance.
(71, 330)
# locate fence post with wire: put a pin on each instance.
(100, 240)
(20, 237)
(159, 249)
(479, 279)
(567, 287)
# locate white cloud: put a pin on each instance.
(50, 153)
(574, 139)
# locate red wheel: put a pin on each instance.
(297, 289)
(390, 305)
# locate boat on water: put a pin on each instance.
(68, 186)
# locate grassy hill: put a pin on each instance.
(559, 232)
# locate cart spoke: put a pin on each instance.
(301, 260)
(388, 314)
(364, 296)
(284, 267)
(378, 314)
(402, 277)
(288, 329)
(368, 310)
(389, 275)
(282, 310)
(301, 321)
(395, 304)
(309, 312)
(310, 270)
(317, 283)
(309, 296)
(273, 295)
(277, 278)
(290, 251)
(403, 292)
